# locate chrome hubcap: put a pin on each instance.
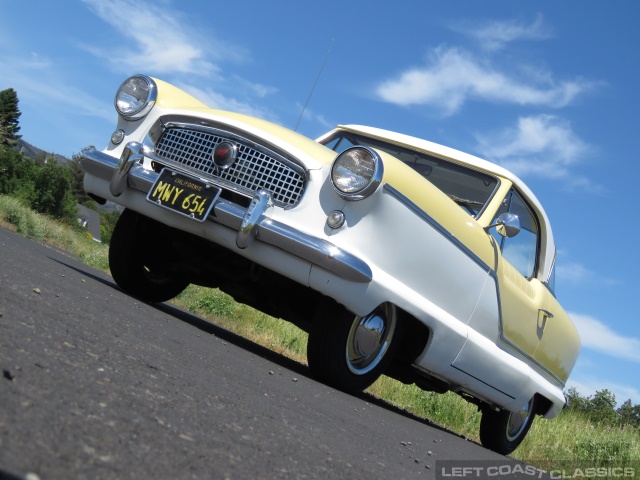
(369, 339)
(518, 421)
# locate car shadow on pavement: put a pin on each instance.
(105, 278)
(9, 476)
(250, 346)
(281, 360)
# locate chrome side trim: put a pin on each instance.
(482, 381)
(553, 265)
(430, 220)
(314, 250)
(530, 358)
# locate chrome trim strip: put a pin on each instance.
(482, 381)
(553, 265)
(533, 360)
(316, 251)
(430, 220)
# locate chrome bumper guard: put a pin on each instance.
(127, 172)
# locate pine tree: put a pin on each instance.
(9, 116)
(629, 414)
(77, 187)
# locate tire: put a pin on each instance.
(138, 246)
(350, 352)
(503, 431)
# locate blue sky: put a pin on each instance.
(547, 89)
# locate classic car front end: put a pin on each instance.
(395, 254)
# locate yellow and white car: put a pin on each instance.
(397, 255)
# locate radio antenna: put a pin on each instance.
(314, 84)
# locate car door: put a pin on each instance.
(521, 295)
(533, 321)
(559, 343)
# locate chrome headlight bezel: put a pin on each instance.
(356, 172)
(136, 97)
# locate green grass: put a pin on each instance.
(569, 439)
(220, 308)
(16, 215)
(573, 439)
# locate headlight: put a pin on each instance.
(136, 97)
(356, 173)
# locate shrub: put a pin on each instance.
(216, 303)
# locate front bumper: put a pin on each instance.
(250, 224)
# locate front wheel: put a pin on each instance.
(138, 260)
(503, 431)
(350, 352)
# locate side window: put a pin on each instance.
(520, 251)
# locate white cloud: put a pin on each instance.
(597, 336)
(157, 41)
(309, 115)
(161, 40)
(55, 94)
(453, 77)
(539, 145)
(258, 89)
(219, 101)
(494, 35)
(573, 273)
(37, 61)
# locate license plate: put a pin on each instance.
(183, 194)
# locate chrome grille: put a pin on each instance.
(252, 171)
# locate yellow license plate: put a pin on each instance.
(183, 194)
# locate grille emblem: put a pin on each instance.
(225, 154)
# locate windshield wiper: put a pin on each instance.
(466, 202)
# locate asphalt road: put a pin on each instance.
(96, 384)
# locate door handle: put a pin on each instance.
(546, 313)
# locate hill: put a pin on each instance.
(35, 153)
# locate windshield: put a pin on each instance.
(467, 187)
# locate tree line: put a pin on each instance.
(42, 184)
(601, 408)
